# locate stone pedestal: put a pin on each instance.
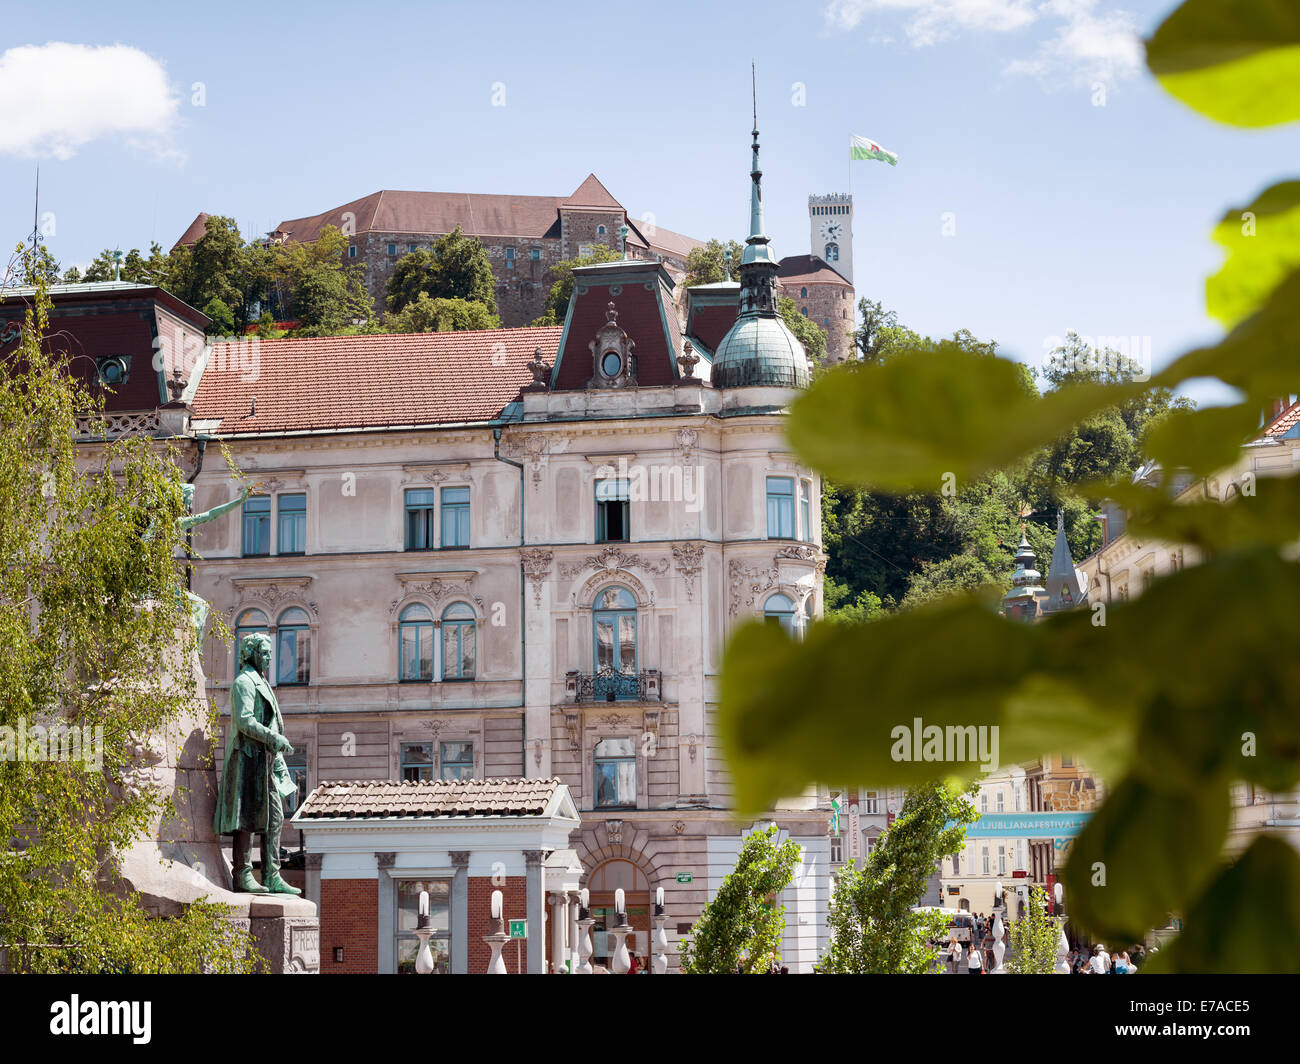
(287, 934)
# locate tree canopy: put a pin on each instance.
(561, 274)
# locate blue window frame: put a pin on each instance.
(805, 509)
(257, 526)
(352, 251)
(293, 647)
(392, 249)
(612, 511)
(803, 293)
(780, 508)
(535, 254)
(615, 771)
(614, 651)
(417, 761)
(415, 644)
(458, 642)
(456, 760)
(455, 517)
(291, 535)
(419, 519)
(249, 621)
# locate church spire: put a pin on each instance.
(757, 248)
(1065, 588)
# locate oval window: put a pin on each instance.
(610, 363)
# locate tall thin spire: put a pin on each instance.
(756, 249)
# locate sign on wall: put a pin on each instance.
(855, 836)
(518, 928)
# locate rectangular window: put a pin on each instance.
(291, 536)
(870, 804)
(535, 254)
(780, 508)
(411, 247)
(837, 849)
(455, 517)
(805, 510)
(419, 519)
(457, 760)
(612, 511)
(257, 526)
(392, 249)
(984, 859)
(407, 914)
(510, 258)
(1002, 860)
(296, 763)
(1067, 761)
(292, 654)
(615, 774)
(998, 802)
(417, 762)
(984, 803)
(352, 251)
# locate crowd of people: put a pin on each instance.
(976, 957)
(1097, 961)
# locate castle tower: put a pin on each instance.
(830, 219)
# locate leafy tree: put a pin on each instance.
(561, 274)
(873, 928)
(1035, 938)
(441, 315)
(741, 928)
(457, 268)
(805, 331)
(708, 265)
(875, 321)
(1166, 728)
(223, 321)
(90, 604)
(320, 290)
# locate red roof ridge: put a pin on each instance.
(591, 193)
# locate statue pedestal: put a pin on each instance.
(180, 861)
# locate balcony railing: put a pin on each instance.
(610, 685)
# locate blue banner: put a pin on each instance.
(1027, 826)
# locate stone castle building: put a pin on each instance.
(518, 553)
(525, 236)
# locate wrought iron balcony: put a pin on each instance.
(610, 685)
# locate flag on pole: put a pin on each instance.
(864, 148)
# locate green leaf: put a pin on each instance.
(932, 420)
(1144, 854)
(1236, 62)
(1263, 245)
(1260, 355)
(1201, 440)
(1248, 920)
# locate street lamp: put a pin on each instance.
(423, 929)
(622, 963)
(661, 937)
(584, 932)
(497, 940)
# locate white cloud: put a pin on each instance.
(1084, 46)
(56, 98)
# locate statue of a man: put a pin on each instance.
(255, 780)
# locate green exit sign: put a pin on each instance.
(518, 928)
(684, 877)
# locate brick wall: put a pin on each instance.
(480, 922)
(825, 303)
(349, 917)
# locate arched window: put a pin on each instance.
(249, 621)
(600, 230)
(803, 293)
(293, 647)
(614, 638)
(832, 253)
(458, 642)
(803, 311)
(415, 643)
(779, 609)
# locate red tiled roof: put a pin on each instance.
(197, 228)
(341, 382)
(436, 213)
(808, 269)
(591, 194)
(1283, 423)
(429, 798)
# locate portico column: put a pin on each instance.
(460, 912)
(559, 923)
(387, 916)
(535, 910)
(312, 893)
(572, 905)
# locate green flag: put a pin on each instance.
(863, 148)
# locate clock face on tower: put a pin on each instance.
(832, 230)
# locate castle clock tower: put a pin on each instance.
(831, 222)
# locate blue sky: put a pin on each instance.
(1067, 215)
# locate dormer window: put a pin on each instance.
(610, 363)
(613, 364)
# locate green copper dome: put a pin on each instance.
(759, 349)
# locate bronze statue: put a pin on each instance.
(255, 780)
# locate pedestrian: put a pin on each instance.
(974, 966)
(1100, 963)
(633, 964)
